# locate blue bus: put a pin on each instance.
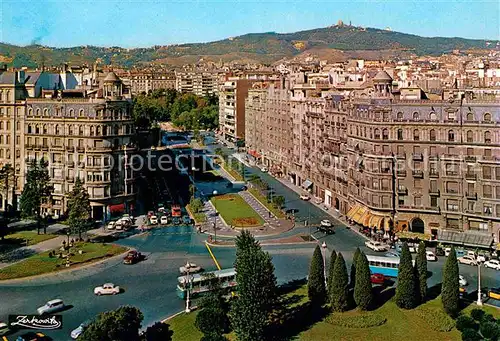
(388, 266)
(199, 284)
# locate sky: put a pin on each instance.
(143, 23)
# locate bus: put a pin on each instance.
(388, 266)
(200, 283)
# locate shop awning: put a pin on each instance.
(352, 211)
(387, 224)
(376, 221)
(359, 214)
(307, 184)
(120, 208)
(402, 225)
(365, 220)
(466, 238)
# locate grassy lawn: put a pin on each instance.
(387, 322)
(234, 173)
(263, 200)
(236, 211)
(199, 217)
(31, 236)
(41, 263)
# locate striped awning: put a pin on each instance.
(365, 218)
(387, 224)
(352, 211)
(376, 221)
(359, 214)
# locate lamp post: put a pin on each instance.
(479, 301)
(188, 284)
(323, 247)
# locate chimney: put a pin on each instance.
(21, 77)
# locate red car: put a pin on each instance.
(132, 257)
(377, 279)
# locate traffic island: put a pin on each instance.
(236, 212)
(81, 253)
(297, 239)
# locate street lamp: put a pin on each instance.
(188, 283)
(479, 301)
(323, 247)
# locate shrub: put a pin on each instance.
(359, 321)
(470, 335)
(466, 322)
(477, 314)
(490, 330)
(436, 318)
(487, 318)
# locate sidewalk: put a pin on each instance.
(21, 253)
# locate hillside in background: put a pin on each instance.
(342, 41)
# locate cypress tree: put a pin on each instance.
(316, 284)
(421, 268)
(339, 290)
(450, 290)
(363, 287)
(333, 257)
(353, 266)
(406, 290)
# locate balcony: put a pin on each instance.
(418, 157)
(470, 158)
(400, 156)
(433, 173)
(403, 191)
(435, 192)
(470, 176)
(401, 173)
(418, 174)
(433, 158)
(70, 148)
(471, 195)
(451, 173)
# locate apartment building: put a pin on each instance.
(232, 95)
(399, 164)
(85, 134)
(200, 83)
(145, 82)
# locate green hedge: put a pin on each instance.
(435, 318)
(364, 320)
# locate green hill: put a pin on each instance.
(259, 47)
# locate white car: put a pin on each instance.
(430, 256)
(469, 260)
(75, 333)
(51, 307)
(153, 220)
(164, 220)
(447, 251)
(376, 246)
(462, 281)
(4, 328)
(326, 223)
(111, 225)
(107, 289)
(493, 264)
(305, 197)
(263, 170)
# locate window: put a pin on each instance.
(470, 116)
(487, 117)
(487, 153)
(487, 137)
(416, 116)
(400, 134)
(452, 205)
(451, 136)
(416, 135)
(452, 187)
(58, 130)
(377, 134)
(487, 209)
(432, 116)
(486, 172)
(487, 191)
(497, 177)
(497, 192)
(417, 201)
(434, 201)
(432, 135)
(470, 136)
(417, 183)
(385, 134)
(451, 116)
(400, 116)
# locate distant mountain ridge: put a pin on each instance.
(253, 47)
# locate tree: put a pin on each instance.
(406, 289)
(421, 269)
(212, 320)
(363, 294)
(79, 211)
(331, 269)
(450, 288)
(7, 183)
(158, 332)
(339, 290)
(4, 227)
(122, 324)
(279, 201)
(316, 284)
(257, 295)
(353, 266)
(37, 191)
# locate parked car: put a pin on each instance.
(4, 328)
(153, 220)
(132, 257)
(176, 220)
(119, 225)
(494, 293)
(462, 281)
(469, 260)
(481, 257)
(493, 264)
(51, 307)
(430, 256)
(32, 336)
(164, 220)
(326, 223)
(305, 197)
(376, 246)
(186, 220)
(263, 169)
(75, 333)
(111, 225)
(377, 278)
(107, 289)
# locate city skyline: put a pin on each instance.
(161, 23)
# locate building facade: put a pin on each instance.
(200, 83)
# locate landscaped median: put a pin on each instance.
(199, 218)
(236, 211)
(50, 261)
(263, 200)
